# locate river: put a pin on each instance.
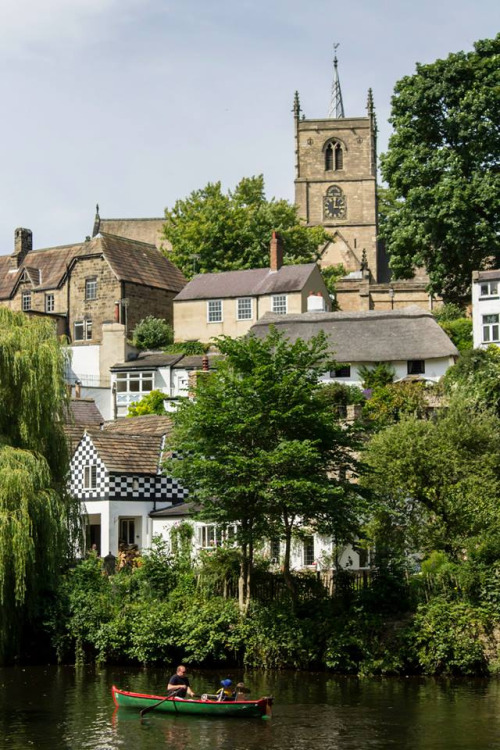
(63, 708)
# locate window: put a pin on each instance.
(91, 288)
(90, 477)
(135, 484)
(244, 310)
(416, 366)
(275, 550)
(211, 535)
(132, 386)
(308, 551)
(490, 329)
(489, 289)
(214, 311)
(334, 156)
(49, 303)
(83, 330)
(26, 301)
(279, 304)
(127, 531)
(343, 371)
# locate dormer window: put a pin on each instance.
(334, 156)
(91, 289)
(26, 301)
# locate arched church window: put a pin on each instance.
(334, 156)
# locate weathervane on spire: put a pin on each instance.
(336, 104)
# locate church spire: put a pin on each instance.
(336, 104)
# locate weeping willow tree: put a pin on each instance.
(37, 516)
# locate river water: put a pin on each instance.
(63, 708)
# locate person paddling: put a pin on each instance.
(178, 684)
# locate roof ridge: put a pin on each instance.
(105, 235)
(136, 218)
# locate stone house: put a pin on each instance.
(409, 339)
(96, 291)
(486, 308)
(228, 303)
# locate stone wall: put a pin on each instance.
(100, 310)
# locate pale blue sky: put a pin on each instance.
(134, 103)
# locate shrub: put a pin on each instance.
(152, 333)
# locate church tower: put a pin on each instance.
(336, 181)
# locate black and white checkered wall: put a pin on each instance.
(112, 486)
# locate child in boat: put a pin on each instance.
(241, 692)
(226, 693)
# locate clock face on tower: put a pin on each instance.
(334, 203)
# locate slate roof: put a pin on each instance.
(154, 360)
(252, 283)
(81, 414)
(152, 425)
(146, 361)
(387, 336)
(127, 454)
(130, 260)
(487, 275)
(180, 509)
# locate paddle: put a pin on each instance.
(144, 711)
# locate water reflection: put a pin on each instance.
(61, 708)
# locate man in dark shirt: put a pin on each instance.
(178, 684)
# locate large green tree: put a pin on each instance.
(442, 166)
(36, 514)
(216, 231)
(437, 482)
(262, 449)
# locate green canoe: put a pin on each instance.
(184, 706)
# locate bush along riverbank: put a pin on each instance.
(443, 620)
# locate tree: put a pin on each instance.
(152, 333)
(262, 449)
(152, 403)
(36, 514)
(437, 482)
(475, 378)
(216, 231)
(442, 166)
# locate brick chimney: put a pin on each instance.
(23, 244)
(276, 252)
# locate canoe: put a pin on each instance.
(190, 706)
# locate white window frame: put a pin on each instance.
(86, 327)
(50, 303)
(280, 304)
(142, 378)
(91, 288)
(491, 328)
(210, 535)
(90, 477)
(214, 311)
(244, 305)
(26, 301)
(307, 543)
(488, 289)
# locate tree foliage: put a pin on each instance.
(151, 403)
(475, 378)
(437, 482)
(36, 514)
(216, 231)
(262, 448)
(152, 333)
(442, 168)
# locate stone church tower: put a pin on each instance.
(335, 182)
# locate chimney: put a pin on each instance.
(204, 363)
(276, 252)
(23, 244)
(78, 389)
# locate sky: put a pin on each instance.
(133, 104)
